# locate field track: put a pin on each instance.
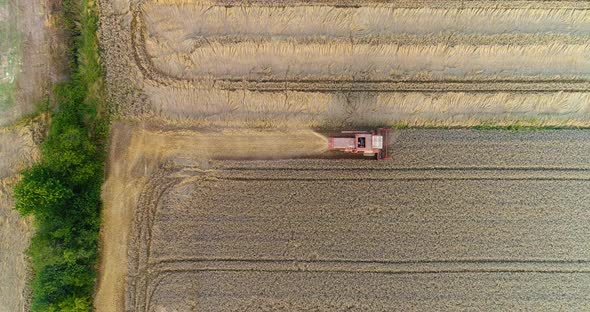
(458, 219)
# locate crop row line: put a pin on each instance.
(400, 272)
(408, 169)
(374, 267)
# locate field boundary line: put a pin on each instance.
(457, 4)
(433, 168)
(425, 261)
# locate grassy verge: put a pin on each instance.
(9, 54)
(62, 191)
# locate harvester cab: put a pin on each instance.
(369, 143)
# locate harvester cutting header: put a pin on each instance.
(369, 143)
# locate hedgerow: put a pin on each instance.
(62, 191)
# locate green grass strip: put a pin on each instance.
(10, 55)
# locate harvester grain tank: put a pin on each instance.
(369, 143)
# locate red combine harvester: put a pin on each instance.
(369, 143)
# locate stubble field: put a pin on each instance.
(334, 64)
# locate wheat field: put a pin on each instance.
(311, 43)
(314, 64)
(454, 216)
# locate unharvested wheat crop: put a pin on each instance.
(454, 213)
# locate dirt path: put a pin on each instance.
(18, 149)
(163, 170)
(41, 64)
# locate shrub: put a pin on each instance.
(62, 191)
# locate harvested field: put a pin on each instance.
(368, 43)
(215, 108)
(458, 219)
(316, 64)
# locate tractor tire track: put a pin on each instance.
(139, 278)
(381, 267)
(398, 174)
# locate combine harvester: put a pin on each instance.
(369, 143)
